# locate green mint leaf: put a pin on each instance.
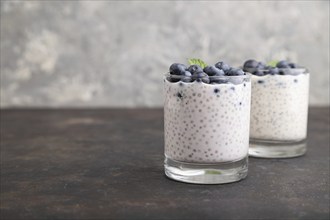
(272, 63)
(199, 62)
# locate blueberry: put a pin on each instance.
(281, 72)
(283, 64)
(177, 69)
(261, 65)
(258, 72)
(235, 72)
(223, 66)
(293, 65)
(250, 64)
(173, 78)
(217, 80)
(206, 80)
(187, 73)
(201, 77)
(273, 71)
(213, 71)
(195, 68)
(186, 77)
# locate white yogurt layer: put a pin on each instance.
(206, 123)
(279, 107)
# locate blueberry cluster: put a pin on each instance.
(261, 69)
(209, 74)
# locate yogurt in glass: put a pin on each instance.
(279, 112)
(206, 128)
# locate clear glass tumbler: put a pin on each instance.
(207, 129)
(279, 111)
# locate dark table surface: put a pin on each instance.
(108, 163)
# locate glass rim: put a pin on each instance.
(285, 69)
(246, 76)
(299, 68)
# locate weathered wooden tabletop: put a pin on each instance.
(108, 163)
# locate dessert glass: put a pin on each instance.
(207, 129)
(279, 110)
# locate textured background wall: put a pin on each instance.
(58, 53)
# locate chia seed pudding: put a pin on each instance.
(279, 107)
(206, 123)
(206, 117)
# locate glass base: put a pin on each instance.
(276, 149)
(216, 173)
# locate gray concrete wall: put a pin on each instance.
(107, 53)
